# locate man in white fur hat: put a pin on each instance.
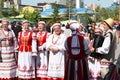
(77, 50)
(107, 49)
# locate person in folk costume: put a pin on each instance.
(27, 52)
(94, 58)
(78, 51)
(55, 45)
(42, 58)
(8, 49)
(107, 50)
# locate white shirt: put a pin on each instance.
(104, 49)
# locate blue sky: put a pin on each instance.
(103, 3)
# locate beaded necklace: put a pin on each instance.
(54, 42)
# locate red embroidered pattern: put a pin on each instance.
(40, 38)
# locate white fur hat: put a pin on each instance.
(41, 22)
(74, 25)
(55, 24)
(25, 21)
(4, 21)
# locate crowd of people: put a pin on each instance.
(73, 53)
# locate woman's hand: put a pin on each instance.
(54, 49)
(91, 46)
(92, 50)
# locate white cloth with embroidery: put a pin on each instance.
(56, 60)
(94, 68)
(26, 63)
(8, 46)
(42, 58)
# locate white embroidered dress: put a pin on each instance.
(42, 58)
(8, 45)
(26, 63)
(56, 60)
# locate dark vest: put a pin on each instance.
(98, 41)
(111, 54)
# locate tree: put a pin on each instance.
(1, 3)
(31, 14)
(13, 11)
(55, 15)
(1, 13)
(104, 13)
(1, 6)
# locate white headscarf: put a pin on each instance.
(74, 25)
(55, 24)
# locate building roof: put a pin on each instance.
(49, 12)
(43, 4)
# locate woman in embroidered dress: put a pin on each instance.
(8, 46)
(27, 49)
(55, 45)
(77, 50)
(42, 58)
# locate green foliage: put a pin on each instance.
(1, 16)
(103, 13)
(88, 19)
(13, 11)
(55, 14)
(1, 3)
(31, 16)
(9, 12)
